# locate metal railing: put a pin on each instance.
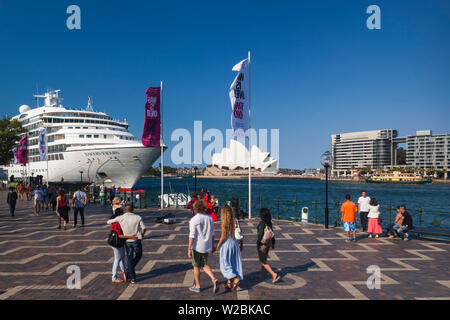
(287, 209)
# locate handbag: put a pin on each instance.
(237, 232)
(114, 239)
(268, 235)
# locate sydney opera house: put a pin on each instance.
(234, 160)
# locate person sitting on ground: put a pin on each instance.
(403, 223)
(390, 232)
(201, 243)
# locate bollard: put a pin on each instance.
(305, 212)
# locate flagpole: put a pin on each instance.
(249, 143)
(161, 145)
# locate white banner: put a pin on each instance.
(239, 96)
(42, 143)
(15, 152)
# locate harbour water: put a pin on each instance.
(432, 201)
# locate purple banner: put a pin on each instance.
(152, 126)
(22, 153)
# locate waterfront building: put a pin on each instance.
(426, 150)
(374, 149)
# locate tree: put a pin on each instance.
(10, 131)
(401, 156)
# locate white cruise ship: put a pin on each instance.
(83, 145)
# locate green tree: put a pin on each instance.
(401, 156)
(10, 131)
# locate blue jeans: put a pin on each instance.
(119, 257)
(134, 254)
(400, 230)
(12, 208)
(75, 215)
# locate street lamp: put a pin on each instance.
(81, 172)
(326, 160)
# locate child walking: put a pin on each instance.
(349, 210)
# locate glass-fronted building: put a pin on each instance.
(374, 149)
(428, 151)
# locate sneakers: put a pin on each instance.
(370, 236)
(354, 239)
(194, 289)
(347, 240)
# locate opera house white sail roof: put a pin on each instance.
(237, 156)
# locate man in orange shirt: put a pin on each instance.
(349, 210)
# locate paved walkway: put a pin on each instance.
(314, 263)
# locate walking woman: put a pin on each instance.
(374, 219)
(62, 209)
(230, 250)
(266, 239)
(119, 253)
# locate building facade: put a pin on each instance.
(374, 149)
(428, 151)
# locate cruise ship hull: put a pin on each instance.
(121, 165)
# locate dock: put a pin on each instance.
(314, 263)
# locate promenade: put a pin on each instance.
(314, 263)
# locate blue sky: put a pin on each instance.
(316, 68)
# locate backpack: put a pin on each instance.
(113, 238)
(268, 235)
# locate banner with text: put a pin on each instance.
(152, 125)
(42, 142)
(16, 157)
(22, 154)
(239, 100)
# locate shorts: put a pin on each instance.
(199, 259)
(45, 199)
(349, 226)
(263, 252)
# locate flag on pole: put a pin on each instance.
(152, 126)
(239, 97)
(42, 142)
(22, 153)
(15, 152)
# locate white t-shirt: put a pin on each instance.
(79, 199)
(130, 223)
(364, 203)
(374, 211)
(38, 195)
(201, 229)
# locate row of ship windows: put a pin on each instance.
(51, 157)
(96, 136)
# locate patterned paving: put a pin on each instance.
(314, 263)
